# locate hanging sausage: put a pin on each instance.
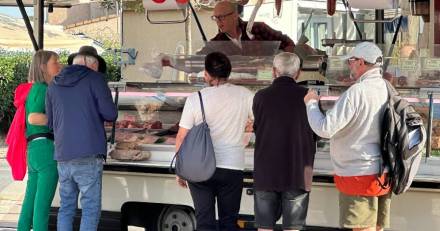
(278, 6)
(331, 7)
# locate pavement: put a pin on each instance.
(11, 194)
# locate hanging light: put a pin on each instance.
(50, 8)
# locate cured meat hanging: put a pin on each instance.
(331, 7)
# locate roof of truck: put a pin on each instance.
(56, 3)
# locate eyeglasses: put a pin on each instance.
(220, 17)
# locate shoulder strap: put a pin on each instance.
(391, 90)
(201, 105)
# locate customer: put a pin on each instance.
(77, 104)
(227, 109)
(353, 126)
(284, 149)
(42, 169)
(102, 65)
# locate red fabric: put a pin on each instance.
(182, 1)
(16, 138)
(361, 185)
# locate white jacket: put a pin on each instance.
(353, 125)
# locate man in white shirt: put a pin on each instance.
(353, 127)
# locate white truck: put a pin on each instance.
(145, 194)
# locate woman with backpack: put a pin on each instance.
(227, 108)
(42, 168)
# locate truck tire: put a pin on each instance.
(140, 214)
(177, 218)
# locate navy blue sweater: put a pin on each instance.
(78, 102)
(284, 142)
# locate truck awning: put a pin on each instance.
(55, 3)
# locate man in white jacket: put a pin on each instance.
(353, 127)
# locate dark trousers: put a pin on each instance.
(226, 186)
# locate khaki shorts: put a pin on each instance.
(364, 211)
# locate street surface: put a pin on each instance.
(11, 194)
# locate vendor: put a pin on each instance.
(232, 28)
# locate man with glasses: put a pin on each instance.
(353, 127)
(232, 28)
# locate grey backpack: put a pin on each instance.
(195, 159)
(403, 140)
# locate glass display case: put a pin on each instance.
(149, 112)
(150, 115)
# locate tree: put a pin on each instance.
(108, 5)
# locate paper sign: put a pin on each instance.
(431, 64)
(408, 64)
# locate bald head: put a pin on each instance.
(226, 16)
(224, 7)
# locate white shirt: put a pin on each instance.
(353, 125)
(227, 109)
(236, 41)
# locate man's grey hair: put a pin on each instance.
(286, 64)
(84, 60)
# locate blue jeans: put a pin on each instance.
(80, 175)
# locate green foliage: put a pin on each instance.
(108, 4)
(13, 71)
(135, 6)
(14, 67)
(113, 68)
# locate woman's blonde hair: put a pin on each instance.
(38, 68)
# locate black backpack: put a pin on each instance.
(403, 138)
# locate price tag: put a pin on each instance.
(431, 64)
(264, 75)
(408, 64)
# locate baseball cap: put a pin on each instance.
(367, 51)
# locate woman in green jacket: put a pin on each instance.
(42, 168)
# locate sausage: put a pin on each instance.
(331, 7)
(278, 6)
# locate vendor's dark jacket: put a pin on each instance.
(261, 32)
(285, 143)
(78, 101)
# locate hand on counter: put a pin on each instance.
(181, 182)
(311, 95)
(166, 62)
(249, 126)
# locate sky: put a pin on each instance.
(14, 11)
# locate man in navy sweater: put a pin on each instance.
(284, 149)
(78, 102)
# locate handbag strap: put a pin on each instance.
(201, 105)
(173, 164)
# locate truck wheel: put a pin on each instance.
(177, 218)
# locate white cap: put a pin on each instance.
(367, 51)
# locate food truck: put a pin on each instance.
(138, 187)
